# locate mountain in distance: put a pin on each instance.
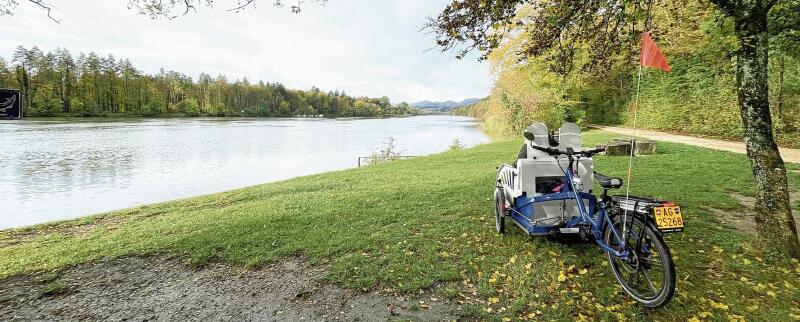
(444, 106)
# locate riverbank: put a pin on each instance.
(101, 116)
(426, 224)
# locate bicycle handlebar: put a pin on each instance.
(569, 152)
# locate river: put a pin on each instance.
(66, 168)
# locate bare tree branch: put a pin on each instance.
(189, 5)
(245, 3)
(169, 9)
(47, 7)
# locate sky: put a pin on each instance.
(364, 47)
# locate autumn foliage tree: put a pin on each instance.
(592, 36)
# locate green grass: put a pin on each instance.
(410, 224)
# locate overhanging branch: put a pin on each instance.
(47, 7)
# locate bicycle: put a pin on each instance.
(628, 229)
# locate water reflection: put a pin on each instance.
(57, 169)
(62, 170)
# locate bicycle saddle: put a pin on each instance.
(608, 182)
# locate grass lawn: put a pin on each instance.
(409, 224)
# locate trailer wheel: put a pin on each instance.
(499, 212)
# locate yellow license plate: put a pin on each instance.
(668, 218)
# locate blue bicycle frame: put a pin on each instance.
(524, 204)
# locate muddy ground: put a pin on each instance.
(162, 289)
(743, 220)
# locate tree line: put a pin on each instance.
(57, 83)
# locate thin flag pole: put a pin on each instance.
(630, 158)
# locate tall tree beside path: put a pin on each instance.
(596, 33)
(776, 225)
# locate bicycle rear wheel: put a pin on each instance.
(499, 212)
(649, 277)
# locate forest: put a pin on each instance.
(55, 83)
(698, 97)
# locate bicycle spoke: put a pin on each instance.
(654, 263)
(631, 275)
(623, 264)
(649, 282)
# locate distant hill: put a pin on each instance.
(444, 106)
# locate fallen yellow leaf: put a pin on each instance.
(735, 318)
(494, 300)
(716, 305)
(562, 277)
(705, 314)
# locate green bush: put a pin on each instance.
(188, 107)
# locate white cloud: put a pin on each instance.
(371, 48)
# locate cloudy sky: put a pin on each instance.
(365, 47)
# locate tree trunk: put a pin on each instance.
(776, 226)
(782, 69)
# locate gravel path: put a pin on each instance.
(162, 289)
(789, 155)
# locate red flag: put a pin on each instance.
(651, 55)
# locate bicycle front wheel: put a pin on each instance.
(649, 275)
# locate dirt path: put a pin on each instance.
(161, 289)
(789, 155)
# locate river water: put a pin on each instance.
(60, 169)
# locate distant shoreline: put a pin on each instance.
(187, 116)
